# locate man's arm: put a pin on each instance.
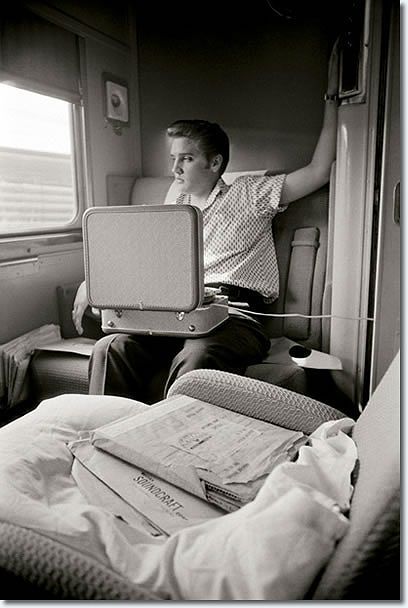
(303, 181)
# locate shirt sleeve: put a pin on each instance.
(262, 192)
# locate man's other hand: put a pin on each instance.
(79, 307)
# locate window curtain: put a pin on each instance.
(38, 52)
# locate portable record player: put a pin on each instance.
(144, 270)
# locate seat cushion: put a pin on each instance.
(278, 368)
(54, 373)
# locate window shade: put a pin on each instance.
(38, 51)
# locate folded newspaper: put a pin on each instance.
(221, 456)
(15, 358)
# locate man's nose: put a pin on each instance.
(176, 167)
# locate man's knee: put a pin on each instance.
(104, 343)
(197, 354)
(110, 366)
(114, 343)
(102, 351)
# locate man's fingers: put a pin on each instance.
(77, 318)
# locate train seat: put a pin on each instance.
(365, 564)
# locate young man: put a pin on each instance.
(239, 256)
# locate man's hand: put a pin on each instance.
(333, 71)
(80, 305)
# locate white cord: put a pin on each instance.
(298, 314)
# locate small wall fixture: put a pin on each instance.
(116, 105)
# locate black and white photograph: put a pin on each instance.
(200, 300)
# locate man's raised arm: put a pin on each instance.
(303, 181)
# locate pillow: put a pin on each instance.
(37, 489)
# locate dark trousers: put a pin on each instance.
(123, 364)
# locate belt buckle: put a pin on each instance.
(224, 290)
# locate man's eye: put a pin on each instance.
(189, 159)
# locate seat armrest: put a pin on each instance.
(255, 398)
(33, 563)
(91, 320)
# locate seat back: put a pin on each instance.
(366, 564)
(300, 235)
(150, 190)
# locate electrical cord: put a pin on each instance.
(298, 314)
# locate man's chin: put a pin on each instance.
(181, 186)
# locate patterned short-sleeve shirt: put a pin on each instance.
(238, 240)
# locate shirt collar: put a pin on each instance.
(220, 188)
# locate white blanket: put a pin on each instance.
(271, 549)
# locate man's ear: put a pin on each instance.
(216, 163)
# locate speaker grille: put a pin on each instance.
(145, 257)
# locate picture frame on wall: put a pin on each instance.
(116, 102)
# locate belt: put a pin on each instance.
(240, 294)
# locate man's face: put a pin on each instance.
(191, 169)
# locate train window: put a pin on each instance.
(37, 158)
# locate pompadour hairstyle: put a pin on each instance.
(209, 136)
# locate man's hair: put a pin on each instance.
(209, 137)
